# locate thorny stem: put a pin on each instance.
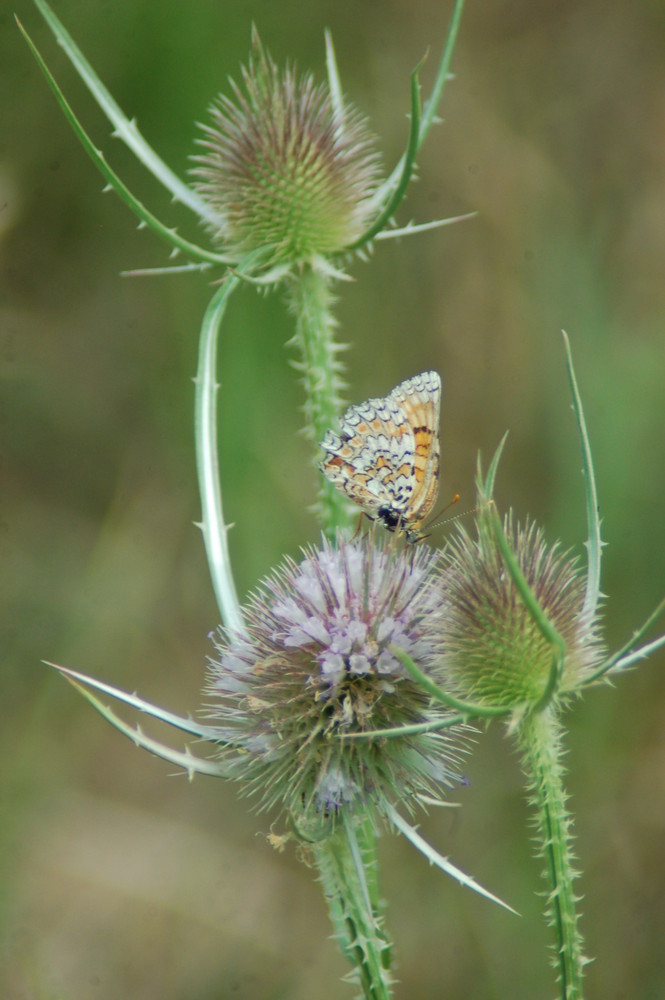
(346, 865)
(311, 299)
(540, 741)
(213, 525)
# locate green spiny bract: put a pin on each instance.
(495, 652)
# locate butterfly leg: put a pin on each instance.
(357, 531)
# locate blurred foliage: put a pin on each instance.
(119, 880)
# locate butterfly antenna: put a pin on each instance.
(462, 513)
(451, 503)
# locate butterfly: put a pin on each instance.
(385, 456)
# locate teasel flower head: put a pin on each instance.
(495, 650)
(316, 664)
(286, 168)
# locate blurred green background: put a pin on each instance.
(121, 880)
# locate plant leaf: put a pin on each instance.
(113, 180)
(441, 862)
(594, 543)
(125, 129)
(184, 759)
(185, 723)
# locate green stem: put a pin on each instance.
(347, 867)
(540, 742)
(213, 525)
(311, 302)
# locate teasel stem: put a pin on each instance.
(311, 299)
(347, 866)
(539, 737)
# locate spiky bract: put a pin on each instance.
(495, 653)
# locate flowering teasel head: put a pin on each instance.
(496, 651)
(316, 664)
(286, 168)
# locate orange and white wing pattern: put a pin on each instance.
(386, 455)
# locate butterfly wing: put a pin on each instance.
(386, 455)
(419, 398)
(360, 459)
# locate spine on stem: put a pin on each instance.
(311, 302)
(541, 745)
(343, 864)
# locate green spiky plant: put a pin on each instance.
(361, 716)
